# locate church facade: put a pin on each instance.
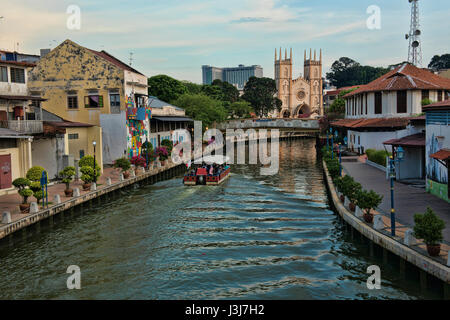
(303, 96)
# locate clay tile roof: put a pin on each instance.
(105, 55)
(414, 140)
(442, 154)
(405, 77)
(372, 123)
(438, 105)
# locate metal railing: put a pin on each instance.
(23, 126)
(270, 123)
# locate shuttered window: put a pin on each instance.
(378, 103)
(93, 101)
(17, 75)
(3, 74)
(439, 95)
(401, 101)
(425, 94)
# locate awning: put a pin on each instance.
(11, 134)
(442, 154)
(21, 98)
(167, 118)
(414, 140)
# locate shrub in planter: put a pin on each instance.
(35, 186)
(368, 200)
(89, 161)
(39, 195)
(67, 176)
(124, 164)
(87, 176)
(35, 173)
(168, 144)
(139, 161)
(162, 153)
(24, 191)
(333, 169)
(429, 227)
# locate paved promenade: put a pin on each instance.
(408, 200)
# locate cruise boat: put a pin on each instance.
(213, 171)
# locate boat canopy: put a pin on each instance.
(214, 159)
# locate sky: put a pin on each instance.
(178, 37)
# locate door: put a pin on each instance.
(5, 171)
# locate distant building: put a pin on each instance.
(18, 57)
(444, 73)
(331, 94)
(237, 76)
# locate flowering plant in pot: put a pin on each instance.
(368, 200)
(124, 164)
(87, 176)
(429, 226)
(24, 191)
(67, 176)
(162, 154)
(168, 144)
(139, 162)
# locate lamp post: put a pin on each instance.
(332, 144)
(392, 161)
(340, 160)
(94, 143)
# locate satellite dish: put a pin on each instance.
(417, 32)
(406, 36)
(415, 44)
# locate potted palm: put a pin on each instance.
(24, 191)
(368, 200)
(124, 164)
(429, 227)
(67, 176)
(87, 176)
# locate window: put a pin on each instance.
(114, 102)
(3, 74)
(73, 136)
(401, 101)
(366, 102)
(72, 102)
(439, 95)
(378, 103)
(425, 94)
(17, 75)
(93, 101)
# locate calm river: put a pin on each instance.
(253, 237)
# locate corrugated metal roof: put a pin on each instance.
(414, 140)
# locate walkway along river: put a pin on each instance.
(253, 237)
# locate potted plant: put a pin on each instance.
(124, 164)
(35, 173)
(24, 191)
(87, 176)
(89, 161)
(347, 187)
(162, 154)
(168, 144)
(338, 182)
(368, 200)
(352, 193)
(429, 227)
(138, 162)
(148, 153)
(35, 186)
(67, 176)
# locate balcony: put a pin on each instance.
(23, 126)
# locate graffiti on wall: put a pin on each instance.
(138, 126)
(435, 170)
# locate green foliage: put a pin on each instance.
(240, 109)
(123, 163)
(87, 174)
(35, 173)
(229, 92)
(202, 108)
(368, 200)
(168, 144)
(38, 195)
(25, 193)
(192, 88)
(440, 62)
(260, 93)
(67, 175)
(89, 161)
(338, 105)
(377, 156)
(21, 183)
(147, 148)
(165, 88)
(426, 102)
(347, 72)
(428, 227)
(350, 188)
(35, 186)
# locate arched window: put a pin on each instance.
(286, 73)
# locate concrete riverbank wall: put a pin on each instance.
(86, 200)
(405, 253)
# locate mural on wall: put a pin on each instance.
(435, 170)
(138, 126)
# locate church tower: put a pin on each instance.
(313, 74)
(283, 77)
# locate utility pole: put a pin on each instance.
(415, 48)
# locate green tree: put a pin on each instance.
(230, 92)
(192, 88)
(202, 108)
(165, 88)
(260, 93)
(240, 109)
(440, 62)
(213, 91)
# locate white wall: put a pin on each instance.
(114, 136)
(48, 153)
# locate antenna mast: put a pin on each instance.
(415, 48)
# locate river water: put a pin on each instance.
(253, 237)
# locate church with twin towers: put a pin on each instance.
(302, 97)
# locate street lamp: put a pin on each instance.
(94, 143)
(332, 144)
(392, 161)
(340, 161)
